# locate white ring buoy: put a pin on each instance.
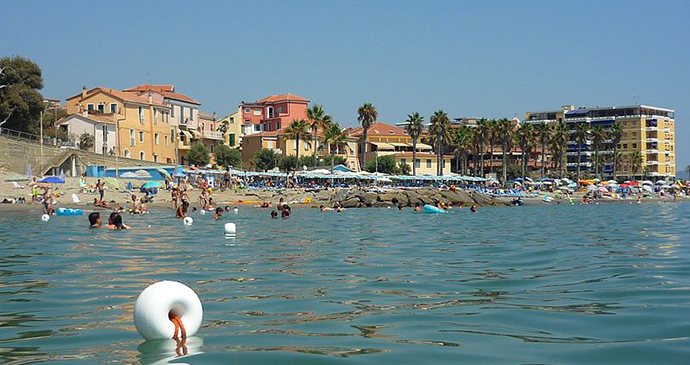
(188, 221)
(230, 228)
(45, 217)
(203, 212)
(155, 303)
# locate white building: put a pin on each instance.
(101, 127)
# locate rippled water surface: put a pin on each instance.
(598, 284)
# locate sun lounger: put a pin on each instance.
(14, 183)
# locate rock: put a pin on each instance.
(351, 203)
(380, 204)
(386, 197)
(369, 198)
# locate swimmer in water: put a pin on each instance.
(219, 213)
(417, 207)
(325, 208)
(473, 209)
(280, 204)
(95, 220)
(285, 213)
(182, 210)
(274, 214)
(227, 208)
(115, 222)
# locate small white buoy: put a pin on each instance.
(155, 303)
(45, 217)
(203, 211)
(188, 221)
(230, 228)
(236, 210)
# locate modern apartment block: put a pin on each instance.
(648, 132)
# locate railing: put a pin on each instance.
(28, 137)
(212, 135)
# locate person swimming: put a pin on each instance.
(227, 208)
(182, 210)
(285, 214)
(219, 213)
(417, 207)
(400, 206)
(115, 222)
(274, 214)
(324, 208)
(473, 208)
(95, 220)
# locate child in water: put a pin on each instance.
(219, 213)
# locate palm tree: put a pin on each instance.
(581, 133)
(616, 133)
(439, 135)
(316, 117)
(635, 160)
(544, 132)
(462, 145)
(687, 171)
(297, 130)
(334, 137)
(504, 135)
(492, 135)
(367, 115)
(599, 134)
(525, 138)
(480, 135)
(414, 128)
(560, 137)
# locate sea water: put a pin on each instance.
(595, 284)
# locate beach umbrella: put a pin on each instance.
(163, 172)
(591, 187)
(647, 182)
(152, 184)
(29, 173)
(129, 175)
(647, 188)
(52, 180)
(603, 189)
(661, 182)
(613, 182)
(143, 174)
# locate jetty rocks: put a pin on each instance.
(355, 198)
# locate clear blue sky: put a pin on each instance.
(470, 58)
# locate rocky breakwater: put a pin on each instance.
(353, 198)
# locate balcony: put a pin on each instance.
(652, 162)
(652, 151)
(574, 164)
(583, 153)
(212, 135)
(652, 129)
(184, 146)
(652, 140)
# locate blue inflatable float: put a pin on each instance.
(69, 211)
(432, 209)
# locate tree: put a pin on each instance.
(544, 134)
(86, 141)
(384, 164)
(297, 130)
(414, 128)
(198, 155)
(226, 156)
(491, 135)
(525, 138)
(317, 118)
(440, 136)
(616, 133)
(479, 140)
(559, 141)
(581, 135)
(20, 102)
(265, 159)
(50, 118)
(504, 130)
(366, 115)
(334, 136)
(635, 160)
(335, 160)
(462, 145)
(403, 169)
(599, 134)
(288, 163)
(307, 161)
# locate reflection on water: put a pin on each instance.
(544, 284)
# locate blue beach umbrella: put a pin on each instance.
(152, 184)
(52, 180)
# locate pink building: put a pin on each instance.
(272, 113)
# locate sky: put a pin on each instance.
(489, 59)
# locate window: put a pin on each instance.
(271, 144)
(155, 116)
(634, 134)
(625, 145)
(403, 161)
(101, 108)
(172, 111)
(141, 155)
(155, 157)
(141, 115)
(257, 111)
(212, 148)
(126, 153)
(167, 160)
(232, 139)
(247, 110)
(155, 138)
(172, 134)
(278, 125)
(90, 108)
(141, 136)
(428, 163)
(417, 163)
(257, 127)
(132, 141)
(270, 111)
(634, 145)
(443, 164)
(307, 146)
(166, 140)
(191, 114)
(105, 134)
(113, 108)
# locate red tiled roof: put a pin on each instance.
(380, 129)
(119, 94)
(101, 118)
(419, 154)
(167, 91)
(282, 97)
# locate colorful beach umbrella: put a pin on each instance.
(152, 184)
(52, 180)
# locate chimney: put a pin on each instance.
(150, 98)
(83, 92)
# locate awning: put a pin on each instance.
(398, 144)
(423, 146)
(197, 135)
(382, 145)
(189, 135)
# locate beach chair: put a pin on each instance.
(75, 199)
(14, 183)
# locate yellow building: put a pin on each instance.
(142, 122)
(231, 126)
(388, 140)
(253, 143)
(647, 131)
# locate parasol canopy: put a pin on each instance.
(52, 180)
(152, 184)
